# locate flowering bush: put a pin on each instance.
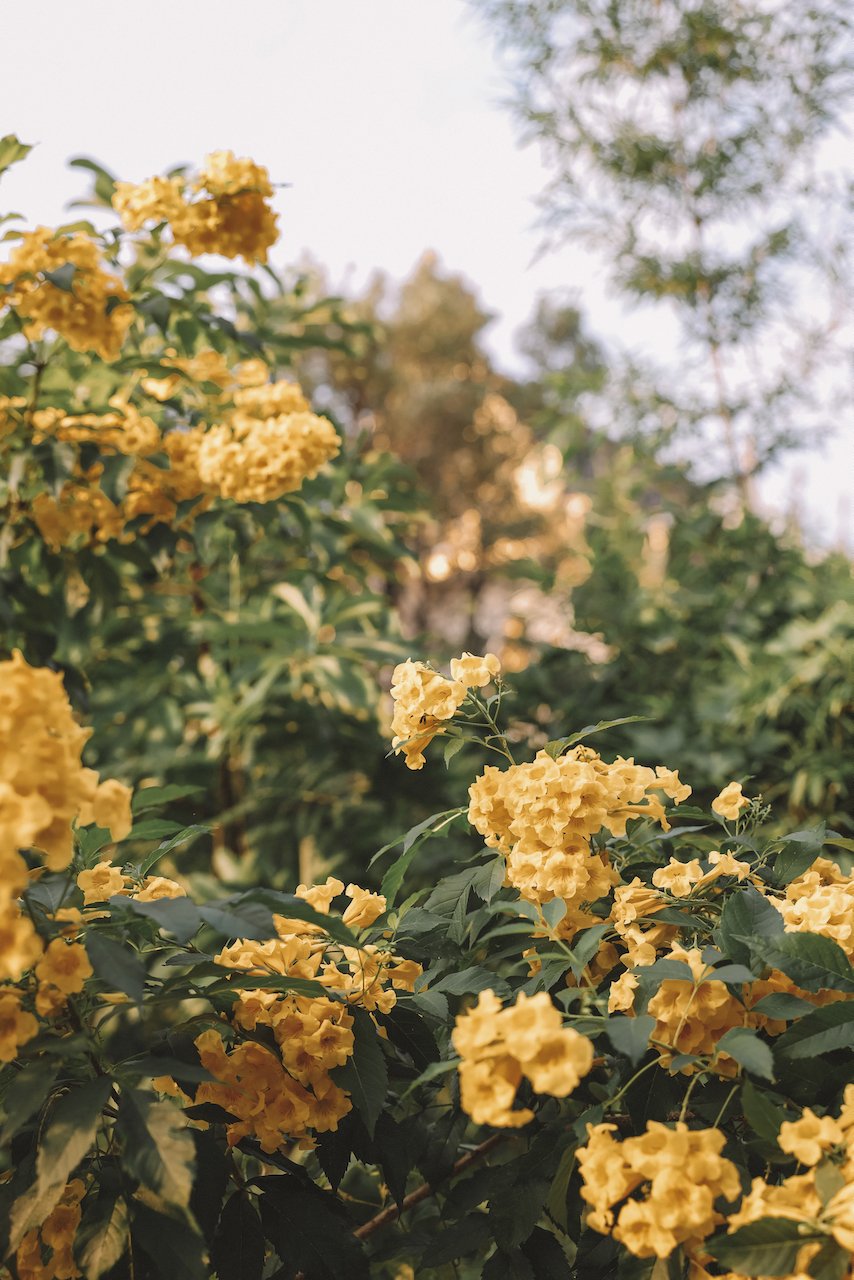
(615, 1040)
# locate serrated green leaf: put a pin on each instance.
(822, 1031)
(812, 962)
(26, 1094)
(237, 1252)
(305, 1226)
(11, 151)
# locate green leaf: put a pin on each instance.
(178, 916)
(365, 1075)
(832, 1262)
(559, 745)
(546, 1256)
(810, 960)
(452, 746)
(797, 855)
(783, 1006)
(154, 829)
(294, 908)
(306, 1228)
(433, 1072)
(554, 912)
(746, 914)
(176, 1250)
(471, 1234)
(187, 833)
(585, 948)
(508, 1265)
(25, 1095)
(768, 1247)
(116, 964)
(11, 151)
(630, 1036)
(237, 1252)
(63, 277)
(516, 1209)
(556, 1203)
(749, 1051)
(470, 982)
(820, 1032)
(235, 924)
(763, 1116)
(157, 1145)
(102, 1236)
(489, 879)
(69, 1136)
(155, 797)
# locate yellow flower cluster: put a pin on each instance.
(680, 1174)
(266, 444)
(424, 699)
(16, 1025)
(692, 1016)
(286, 1096)
(541, 816)
(223, 210)
(499, 1047)
(92, 314)
(821, 901)
(811, 1140)
(43, 784)
(43, 789)
(125, 430)
(259, 460)
(53, 1240)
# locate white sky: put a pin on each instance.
(384, 115)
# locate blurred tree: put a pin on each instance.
(695, 145)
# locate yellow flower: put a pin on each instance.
(474, 672)
(155, 200)
(807, 1139)
(156, 887)
(423, 699)
(622, 992)
(730, 802)
(677, 877)
(20, 945)
(101, 883)
(500, 1046)
(364, 908)
(64, 965)
(16, 1025)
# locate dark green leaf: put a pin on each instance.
(546, 1256)
(782, 1006)
(177, 1251)
(763, 1115)
(510, 1265)
(155, 797)
(746, 914)
(178, 916)
(810, 960)
(820, 1032)
(832, 1262)
(471, 1234)
(63, 277)
(116, 964)
(237, 1252)
(307, 1230)
(768, 1247)
(470, 982)
(630, 1036)
(516, 1209)
(749, 1051)
(364, 1075)
(25, 1095)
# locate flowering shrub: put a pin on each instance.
(615, 1040)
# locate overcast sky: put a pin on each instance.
(384, 115)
